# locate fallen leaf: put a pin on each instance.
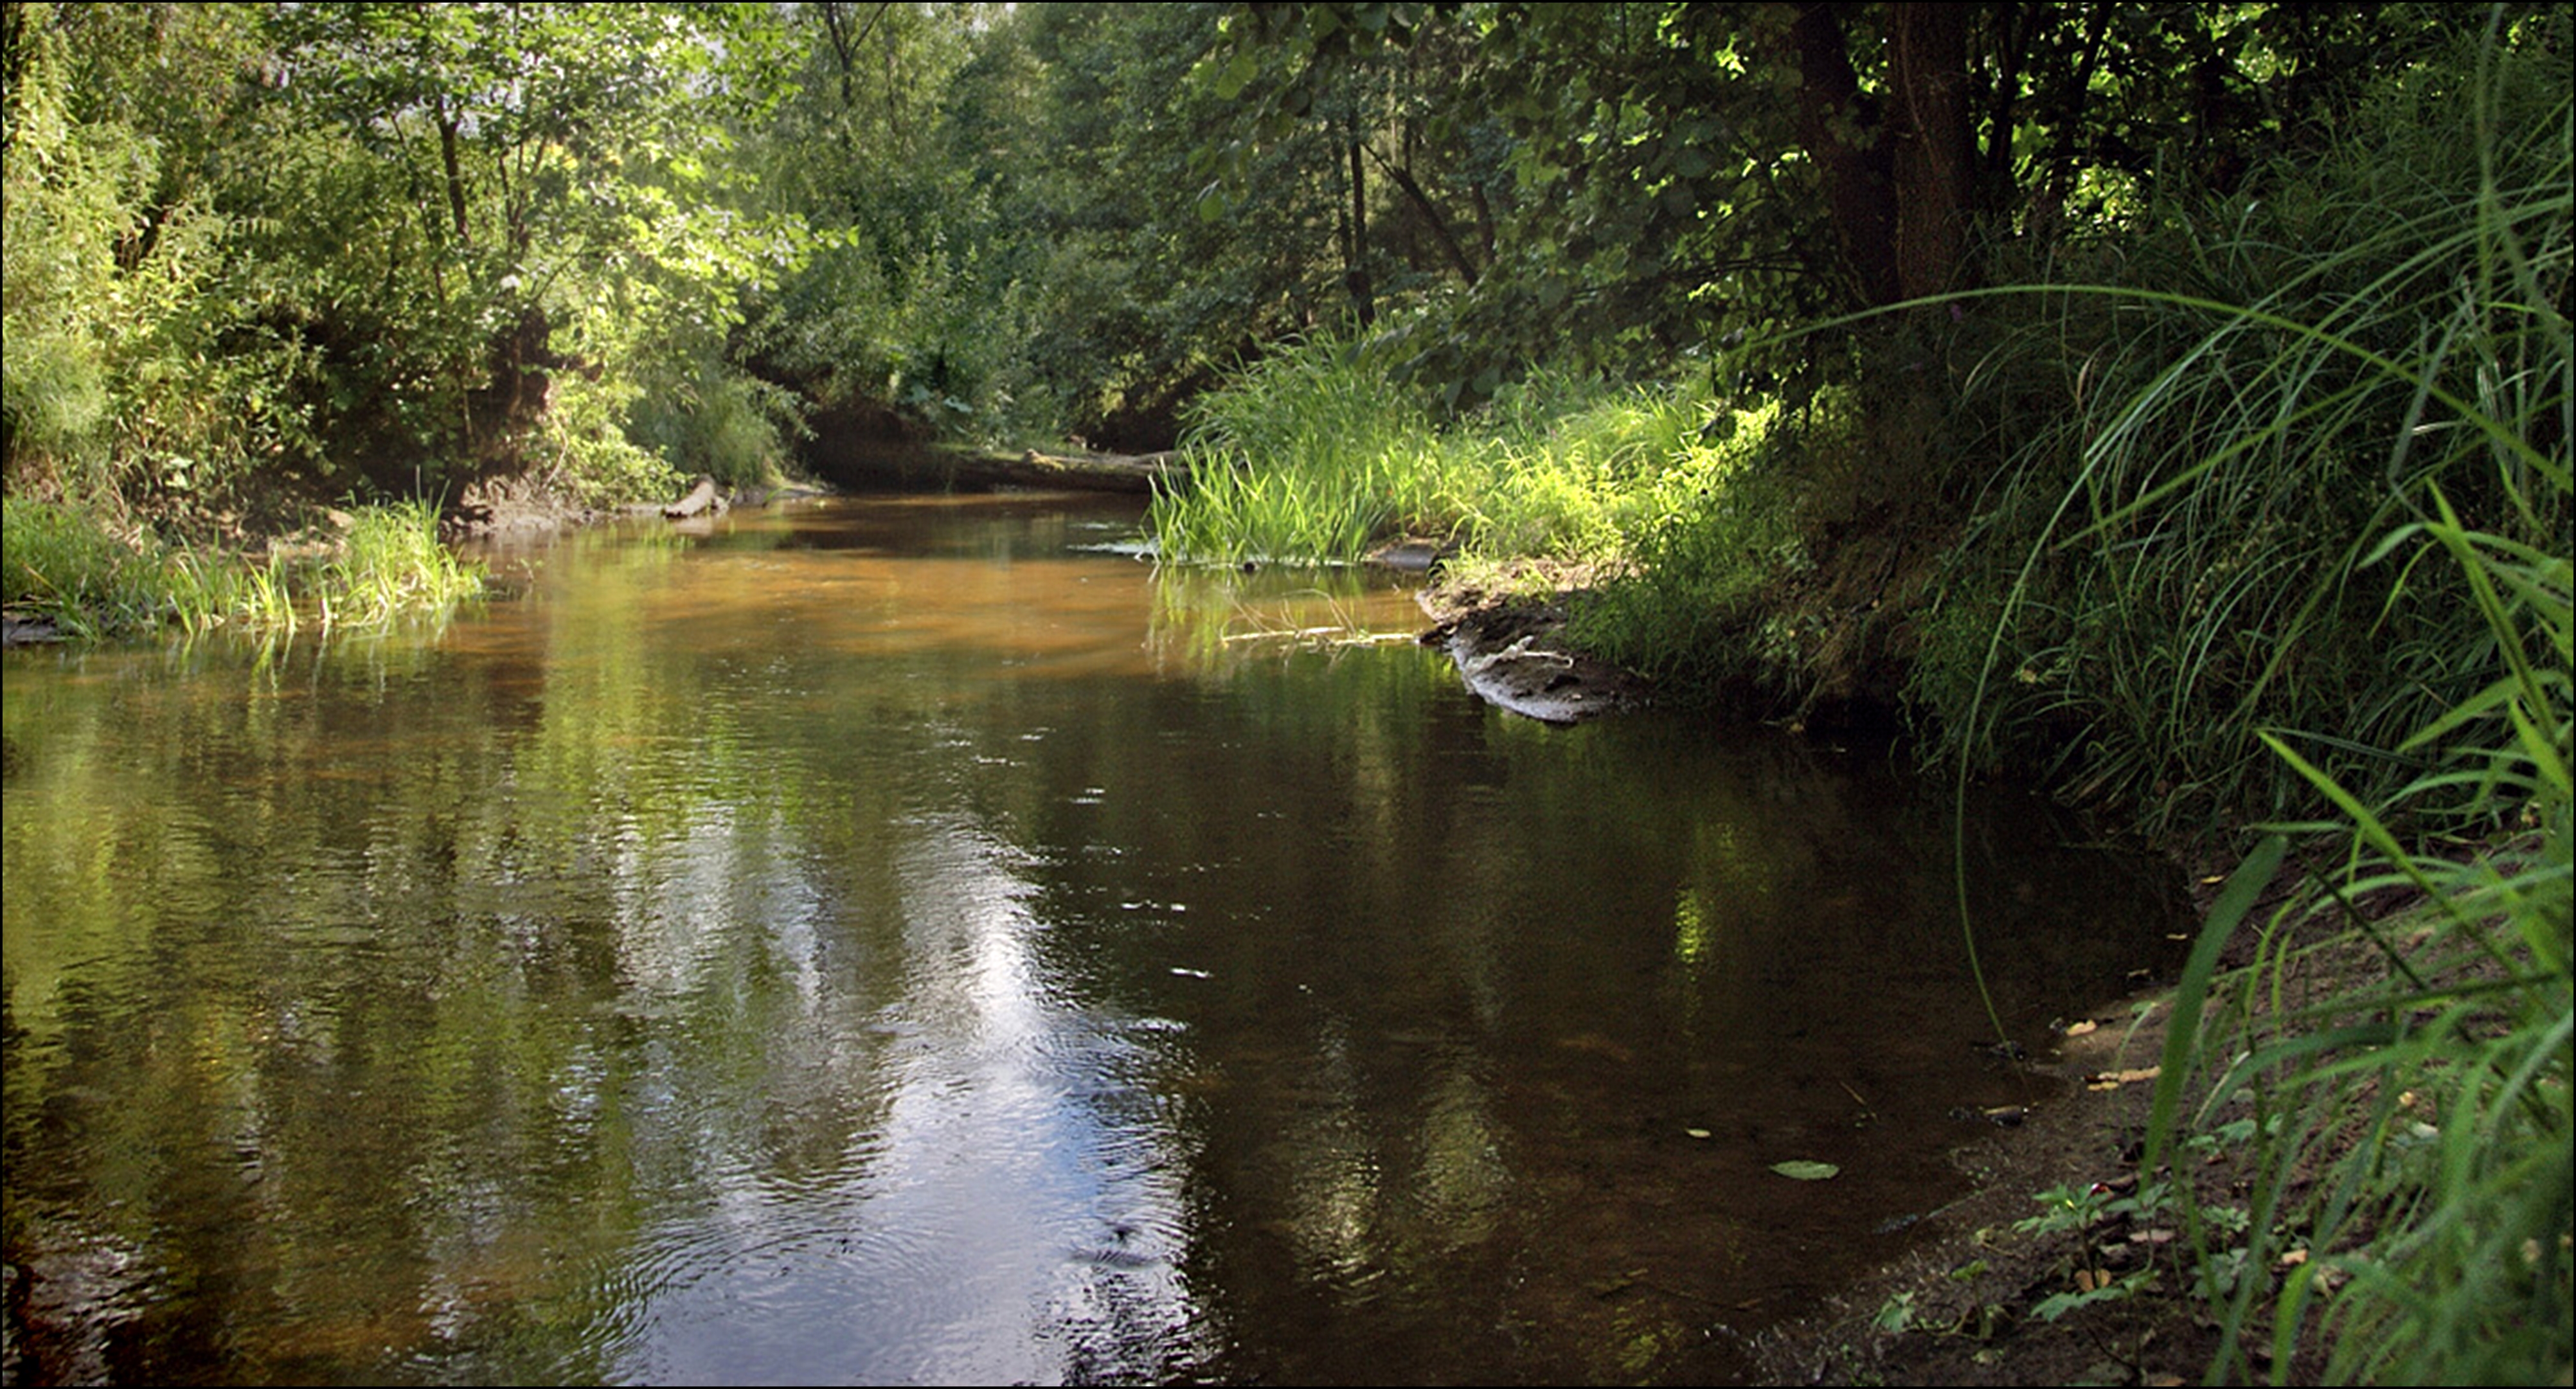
(1806, 1171)
(2079, 1029)
(1696, 1133)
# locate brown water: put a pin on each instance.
(886, 941)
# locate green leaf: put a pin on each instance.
(1238, 74)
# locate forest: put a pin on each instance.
(2169, 403)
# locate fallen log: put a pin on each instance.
(701, 498)
(1091, 472)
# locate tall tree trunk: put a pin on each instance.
(1935, 146)
(1839, 131)
(1355, 269)
(448, 159)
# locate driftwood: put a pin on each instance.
(1090, 472)
(702, 497)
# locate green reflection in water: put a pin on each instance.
(886, 941)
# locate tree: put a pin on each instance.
(1688, 173)
(544, 201)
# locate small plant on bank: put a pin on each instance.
(392, 562)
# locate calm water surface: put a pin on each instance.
(899, 940)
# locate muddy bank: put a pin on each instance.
(1982, 1300)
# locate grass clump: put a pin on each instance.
(2203, 449)
(1713, 546)
(1316, 453)
(2413, 1192)
(391, 562)
(63, 567)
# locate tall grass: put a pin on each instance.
(2310, 557)
(1315, 453)
(2414, 1180)
(58, 563)
(2203, 451)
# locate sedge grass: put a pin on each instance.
(1315, 453)
(2327, 538)
(2413, 1193)
(2203, 455)
(63, 566)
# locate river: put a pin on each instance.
(912, 939)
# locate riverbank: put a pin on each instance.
(1959, 1307)
(2071, 1262)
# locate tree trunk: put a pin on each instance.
(1840, 133)
(1363, 298)
(1935, 146)
(447, 157)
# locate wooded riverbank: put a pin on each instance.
(2197, 445)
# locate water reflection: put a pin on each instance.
(891, 941)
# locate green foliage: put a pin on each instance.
(1314, 453)
(381, 249)
(721, 422)
(59, 564)
(1713, 542)
(129, 368)
(62, 566)
(541, 194)
(2178, 551)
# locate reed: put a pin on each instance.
(63, 566)
(1315, 453)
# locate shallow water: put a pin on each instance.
(892, 940)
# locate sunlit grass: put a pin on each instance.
(1315, 454)
(63, 567)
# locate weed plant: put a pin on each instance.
(59, 564)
